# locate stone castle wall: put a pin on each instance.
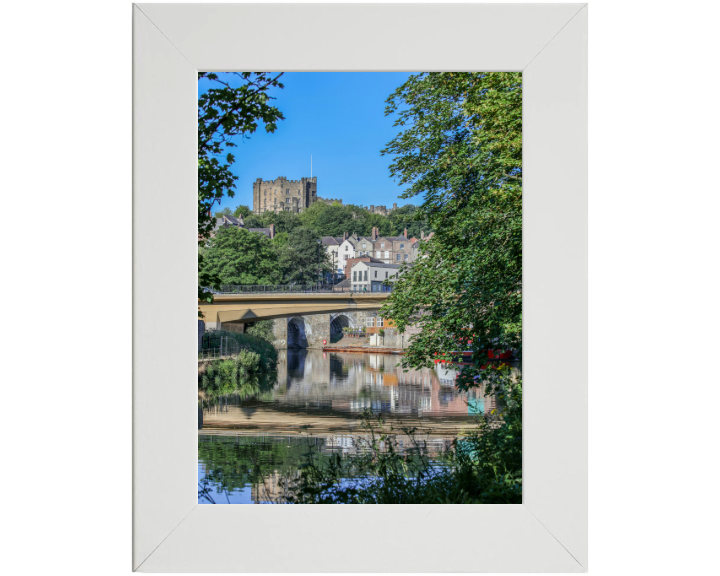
(282, 194)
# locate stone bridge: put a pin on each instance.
(301, 320)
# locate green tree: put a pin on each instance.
(224, 212)
(237, 256)
(408, 217)
(243, 211)
(231, 104)
(332, 219)
(461, 149)
(303, 259)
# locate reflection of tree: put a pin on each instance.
(233, 463)
(258, 387)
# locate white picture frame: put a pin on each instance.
(548, 531)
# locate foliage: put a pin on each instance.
(236, 256)
(483, 467)
(230, 375)
(242, 210)
(461, 148)
(284, 221)
(224, 212)
(304, 259)
(336, 219)
(409, 217)
(253, 342)
(232, 104)
(261, 329)
(231, 463)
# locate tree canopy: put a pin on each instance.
(234, 104)
(303, 259)
(460, 147)
(336, 219)
(237, 256)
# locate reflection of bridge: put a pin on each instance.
(241, 308)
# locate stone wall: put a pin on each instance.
(273, 195)
(310, 331)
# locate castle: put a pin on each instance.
(282, 194)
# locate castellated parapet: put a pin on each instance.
(382, 209)
(286, 195)
(282, 194)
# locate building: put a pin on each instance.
(352, 261)
(385, 249)
(269, 232)
(226, 221)
(282, 194)
(331, 246)
(369, 276)
(381, 209)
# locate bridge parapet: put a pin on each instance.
(251, 307)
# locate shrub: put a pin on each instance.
(483, 467)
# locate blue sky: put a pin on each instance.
(339, 119)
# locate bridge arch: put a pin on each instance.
(298, 331)
(338, 322)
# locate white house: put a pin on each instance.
(346, 250)
(369, 276)
(332, 246)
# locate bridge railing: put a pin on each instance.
(292, 289)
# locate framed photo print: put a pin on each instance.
(381, 299)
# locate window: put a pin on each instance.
(402, 246)
(377, 253)
(380, 322)
(287, 200)
(346, 247)
(398, 256)
(370, 320)
(354, 275)
(287, 192)
(346, 256)
(364, 246)
(405, 256)
(376, 273)
(382, 245)
(387, 254)
(365, 275)
(386, 275)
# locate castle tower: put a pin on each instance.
(282, 194)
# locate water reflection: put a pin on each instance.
(248, 440)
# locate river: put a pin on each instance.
(246, 444)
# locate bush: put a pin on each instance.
(251, 342)
(484, 467)
(262, 329)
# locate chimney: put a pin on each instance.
(422, 235)
(345, 236)
(374, 233)
(394, 205)
(272, 231)
(405, 233)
